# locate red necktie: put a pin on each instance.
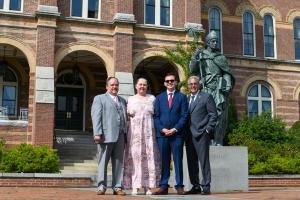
(170, 100)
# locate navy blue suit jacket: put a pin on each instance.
(174, 117)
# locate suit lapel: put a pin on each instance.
(111, 101)
(196, 102)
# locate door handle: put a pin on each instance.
(70, 115)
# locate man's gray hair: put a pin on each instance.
(195, 78)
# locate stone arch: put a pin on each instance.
(246, 6)
(292, 14)
(216, 3)
(79, 46)
(296, 92)
(271, 10)
(26, 50)
(139, 57)
(246, 84)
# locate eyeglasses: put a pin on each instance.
(190, 84)
(169, 81)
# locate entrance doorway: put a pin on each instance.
(69, 108)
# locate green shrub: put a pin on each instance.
(29, 159)
(271, 150)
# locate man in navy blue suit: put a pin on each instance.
(170, 116)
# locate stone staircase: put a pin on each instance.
(77, 152)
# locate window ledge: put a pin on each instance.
(155, 27)
(16, 14)
(86, 20)
(7, 122)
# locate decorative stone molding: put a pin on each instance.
(207, 4)
(126, 88)
(296, 92)
(270, 10)
(294, 13)
(245, 6)
(44, 84)
(270, 81)
(47, 10)
(124, 17)
(194, 26)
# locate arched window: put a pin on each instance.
(214, 21)
(158, 12)
(85, 8)
(8, 91)
(248, 34)
(269, 36)
(259, 100)
(297, 37)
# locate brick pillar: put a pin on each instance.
(124, 6)
(43, 79)
(123, 42)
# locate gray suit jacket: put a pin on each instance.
(106, 121)
(203, 114)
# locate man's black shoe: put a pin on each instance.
(206, 192)
(194, 190)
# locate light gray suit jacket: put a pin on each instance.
(106, 121)
(203, 114)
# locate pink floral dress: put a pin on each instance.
(142, 163)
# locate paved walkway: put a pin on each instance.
(30, 193)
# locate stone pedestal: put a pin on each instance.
(229, 169)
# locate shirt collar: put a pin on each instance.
(168, 92)
(195, 94)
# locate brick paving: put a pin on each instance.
(35, 193)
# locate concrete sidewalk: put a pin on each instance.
(35, 193)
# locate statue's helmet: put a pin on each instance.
(210, 36)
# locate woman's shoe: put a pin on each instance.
(134, 191)
(148, 191)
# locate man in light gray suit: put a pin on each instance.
(109, 126)
(203, 119)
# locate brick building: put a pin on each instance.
(56, 55)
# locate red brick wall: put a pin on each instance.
(123, 53)
(13, 134)
(232, 38)
(285, 40)
(274, 182)
(192, 10)
(45, 182)
(124, 6)
(48, 2)
(64, 7)
(178, 18)
(138, 10)
(107, 10)
(43, 124)
(45, 47)
(30, 6)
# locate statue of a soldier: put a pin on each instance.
(216, 79)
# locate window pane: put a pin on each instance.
(266, 106)
(1, 4)
(61, 103)
(150, 12)
(165, 12)
(268, 36)
(214, 24)
(9, 76)
(77, 8)
(297, 37)
(252, 108)
(248, 34)
(9, 99)
(15, 5)
(265, 91)
(93, 9)
(253, 91)
(75, 104)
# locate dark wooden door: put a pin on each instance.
(69, 108)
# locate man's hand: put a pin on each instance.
(173, 131)
(98, 139)
(165, 131)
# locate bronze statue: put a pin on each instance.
(216, 79)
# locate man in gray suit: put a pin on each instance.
(109, 126)
(203, 119)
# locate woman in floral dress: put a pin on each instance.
(142, 162)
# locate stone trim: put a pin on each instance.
(47, 10)
(44, 84)
(124, 18)
(126, 88)
(164, 28)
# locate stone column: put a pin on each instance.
(123, 23)
(43, 79)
